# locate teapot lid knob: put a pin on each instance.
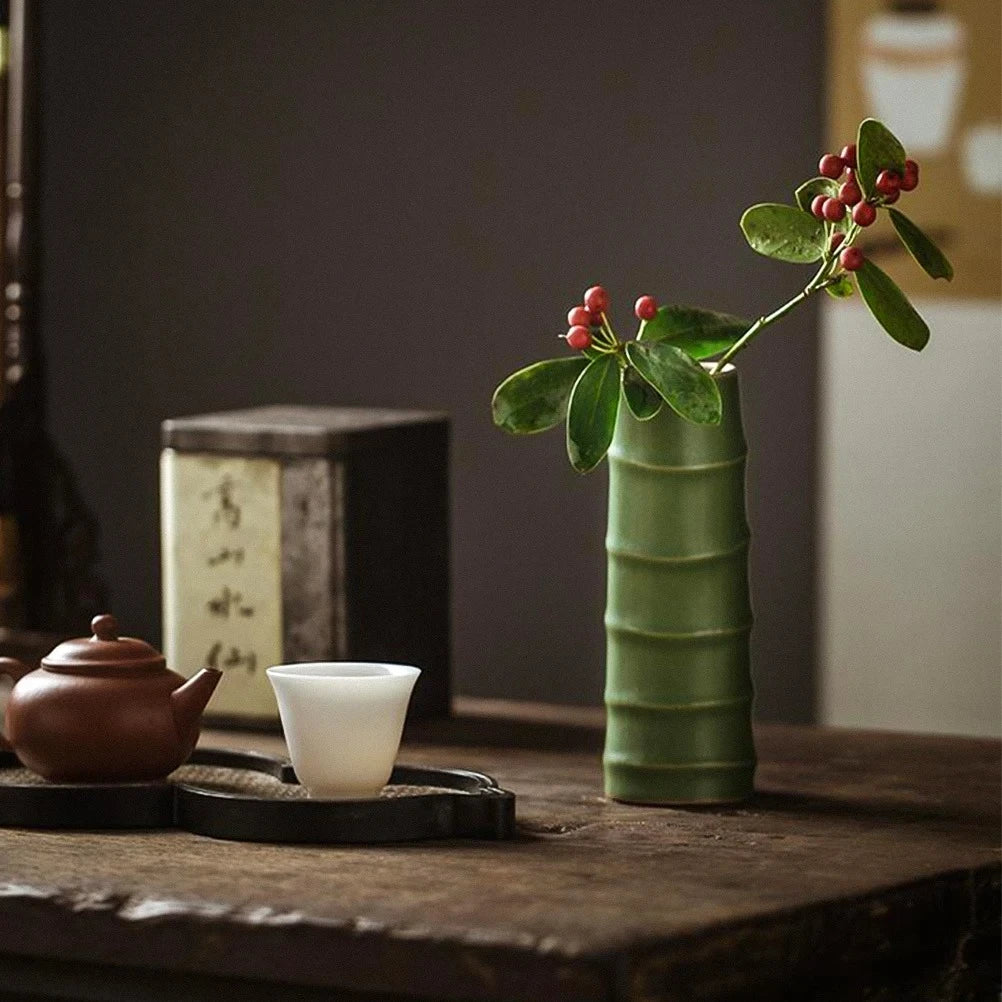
(105, 627)
(106, 651)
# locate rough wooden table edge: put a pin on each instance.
(207, 939)
(212, 940)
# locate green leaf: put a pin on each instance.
(828, 187)
(784, 232)
(591, 416)
(643, 400)
(930, 258)
(699, 333)
(841, 288)
(535, 398)
(809, 190)
(685, 385)
(891, 309)
(877, 149)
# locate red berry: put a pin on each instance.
(887, 182)
(646, 308)
(837, 237)
(833, 210)
(831, 166)
(910, 180)
(863, 214)
(891, 199)
(849, 193)
(848, 154)
(817, 205)
(597, 300)
(851, 258)
(580, 317)
(579, 338)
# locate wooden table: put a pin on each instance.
(867, 866)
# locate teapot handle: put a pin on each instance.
(16, 670)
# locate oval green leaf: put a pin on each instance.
(929, 257)
(891, 308)
(826, 186)
(684, 384)
(591, 415)
(643, 400)
(840, 287)
(784, 233)
(877, 149)
(809, 190)
(699, 333)
(535, 398)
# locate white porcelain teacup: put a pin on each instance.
(342, 722)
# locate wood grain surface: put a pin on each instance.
(866, 866)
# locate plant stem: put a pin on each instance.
(763, 322)
(606, 328)
(601, 342)
(823, 277)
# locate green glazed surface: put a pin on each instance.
(678, 616)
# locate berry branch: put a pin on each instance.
(840, 257)
(678, 350)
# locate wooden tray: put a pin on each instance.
(251, 797)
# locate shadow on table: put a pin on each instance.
(474, 731)
(884, 812)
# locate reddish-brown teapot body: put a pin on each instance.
(104, 709)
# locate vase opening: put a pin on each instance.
(725, 371)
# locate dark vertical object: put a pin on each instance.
(12, 611)
(396, 559)
(56, 535)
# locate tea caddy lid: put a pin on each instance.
(283, 431)
(105, 649)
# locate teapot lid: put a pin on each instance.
(105, 649)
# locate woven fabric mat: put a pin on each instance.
(246, 782)
(259, 784)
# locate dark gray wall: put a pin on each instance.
(394, 203)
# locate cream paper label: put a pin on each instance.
(222, 574)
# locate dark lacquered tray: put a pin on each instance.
(251, 797)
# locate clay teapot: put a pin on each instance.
(103, 709)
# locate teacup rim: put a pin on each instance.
(295, 670)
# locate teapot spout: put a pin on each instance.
(189, 700)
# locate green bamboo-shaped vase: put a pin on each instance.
(678, 616)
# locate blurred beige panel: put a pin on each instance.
(912, 522)
(931, 72)
(911, 450)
